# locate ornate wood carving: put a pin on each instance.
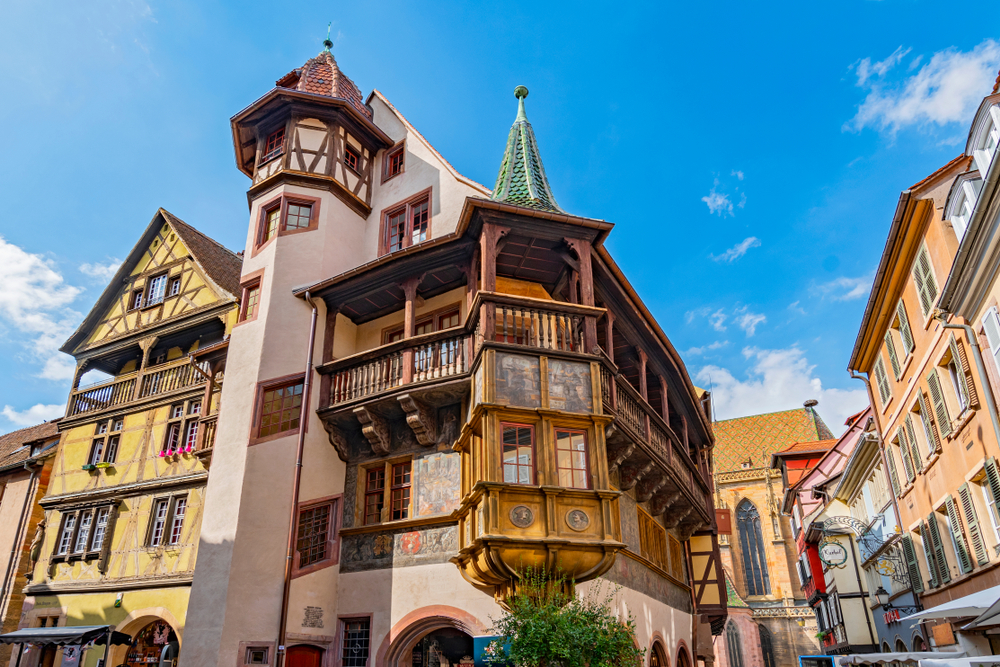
(674, 519)
(659, 504)
(630, 473)
(420, 418)
(648, 486)
(375, 428)
(619, 449)
(337, 439)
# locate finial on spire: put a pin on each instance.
(520, 93)
(328, 44)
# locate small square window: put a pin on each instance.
(356, 643)
(298, 216)
(394, 162)
(102, 428)
(251, 299)
(280, 409)
(175, 286)
(274, 145)
(176, 411)
(271, 216)
(351, 158)
(256, 656)
(135, 301)
(117, 424)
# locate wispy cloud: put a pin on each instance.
(722, 203)
(845, 289)
(717, 345)
(737, 173)
(718, 320)
(947, 89)
(35, 301)
(796, 308)
(778, 380)
(748, 320)
(33, 415)
(737, 251)
(104, 272)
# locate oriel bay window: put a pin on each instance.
(518, 453)
(82, 532)
(387, 492)
(571, 459)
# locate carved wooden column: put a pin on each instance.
(81, 368)
(146, 344)
(582, 249)
(488, 240)
(643, 388)
(328, 337)
(664, 400)
(409, 325)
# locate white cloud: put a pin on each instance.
(694, 351)
(796, 308)
(748, 320)
(103, 271)
(737, 173)
(738, 250)
(34, 301)
(697, 312)
(36, 414)
(718, 320)
(846, 289)
(718, 203)
(947, 89)
(778, 380)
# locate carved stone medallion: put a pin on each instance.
(577, 520)
(522, 516)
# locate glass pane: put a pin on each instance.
(565, 478)
(579, 460)
(510, 474)
(524, 475)
(579, 442)
(579, 479)
(564, 459)
(509, 454)
(524, 437)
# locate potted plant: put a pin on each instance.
(103, 464)
(89, 466)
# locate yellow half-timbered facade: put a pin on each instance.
(124, 502)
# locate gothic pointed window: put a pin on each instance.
(766, 647)
(752, 543)
(734, 648)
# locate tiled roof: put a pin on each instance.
(11, 443)
(221, 264)
(757, 437)
(522, 179)
(813, 446)
(322, 76)
(996, 86)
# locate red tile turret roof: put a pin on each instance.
(322, 76)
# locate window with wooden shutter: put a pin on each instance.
(991, 325)
(893, 477)
(927, 418)
(923, 278)
(943, 571)
(904, 451)
(903, 324)
(911, 436)
(937, 398)
(912, 568)
(890, 348)
(932, 568)
(959, 540)
(964, 371)
(972, 522)
(882, 381)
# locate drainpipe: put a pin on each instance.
(294, 516)
(970, 335)
(11, 563)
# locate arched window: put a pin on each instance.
(752, 541)
(657, 657)
(900, 646)
(733, 647)
(766, 647)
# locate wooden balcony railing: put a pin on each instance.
(530, 322)
(122, 389)
(638, 418)
(367, 378)
(206, 431)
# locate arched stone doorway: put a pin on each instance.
(135, 624)
(683, 659)
(414, 637)
(304, 655)
(149, 643)
(657, 656)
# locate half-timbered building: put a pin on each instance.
(484, 392)
(125, 492)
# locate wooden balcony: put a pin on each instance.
(120, 390)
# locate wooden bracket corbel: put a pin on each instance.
(376, 429)
(649, 485)
(661, 503)
(629, 474)
(421, 419)
(337, 439)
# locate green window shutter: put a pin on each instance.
(965, 371)
(912, 437)
(912, 568)
(944, 572)
(890, 347)
(922, 292)
(882, 381)
(933, 440)
(937, 398)
(893, 477)
(993, 476)
(904, 450)
(904, 327)
(958, 533)
(924, 263)
(972, 521)
(925, 535)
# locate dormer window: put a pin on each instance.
(275, 145)
(985, 137)
(962, 201)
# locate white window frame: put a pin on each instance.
(983, 153)
(991, 510)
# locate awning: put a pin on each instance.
(982, 661)
(989, 617)
(915, 657)
(969, 605)
(67, 635)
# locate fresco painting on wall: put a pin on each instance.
(518, 380)
(438, 481)
(569, 386)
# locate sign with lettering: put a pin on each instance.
(832, 553)
(891, 616)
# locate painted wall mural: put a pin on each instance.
(375, 551)
(518, 380)
(569, 386)
(438, 483)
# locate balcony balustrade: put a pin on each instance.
(163, 379)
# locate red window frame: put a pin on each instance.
(351, 158)
(374, 495)
(274, 145)
(435, 319)
(400, 220)
(574, 473)
(316, 536)
(518, 467)
(270, 220)
(280, 408)
(394, 162)
(298, 215)
(399, 491)
(275, 220)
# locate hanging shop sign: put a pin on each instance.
(832, 553)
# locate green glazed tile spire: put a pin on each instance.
(522, 180)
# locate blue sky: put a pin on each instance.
(750, 156)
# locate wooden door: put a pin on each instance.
(304, 656)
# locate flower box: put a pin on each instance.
(104, 465)
(89, 466)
